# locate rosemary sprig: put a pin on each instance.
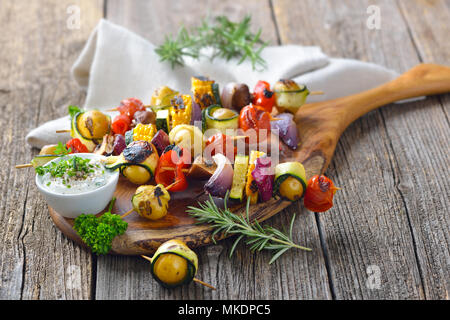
(256, 236)
(226, 38)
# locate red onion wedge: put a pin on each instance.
(196, 114)
(222, 178)
(287, 129)
(160, 140)
(264, 176)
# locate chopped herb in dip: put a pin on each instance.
(71, 175)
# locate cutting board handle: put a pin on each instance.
(422, 80)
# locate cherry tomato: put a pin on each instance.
(121, 124)
(76, 146)
(254, 117)
(319, 194)
(263, 96)
(130, 106)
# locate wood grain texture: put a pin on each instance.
(390, 162)
(297, 275)
(36, 52)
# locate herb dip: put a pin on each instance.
(73, 175)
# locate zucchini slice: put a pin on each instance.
(163, 120)
(166, 255)
(289, 95)
(75, 133)
(223, 123)
(239, 177)
(134, 156)
(41, 160)
(288, 170)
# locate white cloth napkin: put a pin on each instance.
(116, 64)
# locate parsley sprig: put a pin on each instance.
(99, 232)
(74, 166)
(226, 38)
(258, 237)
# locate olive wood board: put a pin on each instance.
(320, 126)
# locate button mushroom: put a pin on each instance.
(236, 96)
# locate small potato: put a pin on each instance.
(93, 124)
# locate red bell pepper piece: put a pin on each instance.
(76, 146)
(169, 171)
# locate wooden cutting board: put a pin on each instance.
(320, 126)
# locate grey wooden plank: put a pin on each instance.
(429, 29)
(390, 162)
(297, 275)
(36, 52)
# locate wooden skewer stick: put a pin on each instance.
(127, 213)
(146, 258)
(316, 93)
(26, 165)
(173, 169)
(195, 279)
(62, 131)
(204, 283)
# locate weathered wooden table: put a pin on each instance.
(387, 236)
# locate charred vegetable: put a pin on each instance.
(216, 117)
(163, 120)
(236, 96)
(319, 194)
(173, 264)
(289, 95)
(89, 127)
(137, 162)
(160, 141)
(144, 117)
(205, 91)
(202, 168)
(181, 110)
(290, 180)
(239, 178)
(93, 124)
(151, 202)
(161, 98)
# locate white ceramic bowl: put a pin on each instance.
(73, 205)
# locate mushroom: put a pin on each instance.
(236, 96)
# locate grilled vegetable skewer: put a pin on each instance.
(174, 264)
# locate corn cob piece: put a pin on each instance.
(181, 109)
(144, 132)
(251, 189)
(205, 92)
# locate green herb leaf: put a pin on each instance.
(99, 232)
(73, 110)
(61, 149)
(227, 40)
(258, 237)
